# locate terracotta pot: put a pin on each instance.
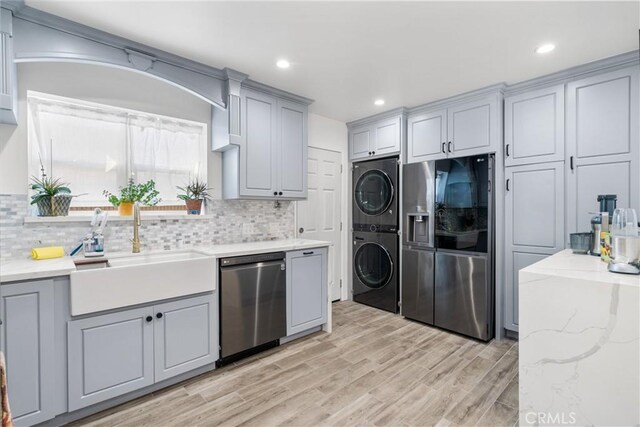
(194, 207)
(125, 209)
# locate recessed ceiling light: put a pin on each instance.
(283, 63)
(379, 102)
(545, 48)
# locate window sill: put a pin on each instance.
(144, 216)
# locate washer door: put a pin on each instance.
(373, 192)
(373, 265)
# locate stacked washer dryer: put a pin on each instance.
(375, 233)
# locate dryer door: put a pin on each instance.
(373, 267)
(373, 192)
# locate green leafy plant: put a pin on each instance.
(47, 187)
(145, 193)
(195, 190)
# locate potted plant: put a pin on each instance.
(52, 196)
(193, 194)
(145, 193)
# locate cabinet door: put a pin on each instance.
(8, 74)
(109, 355)
(258, 156)
(28, 344)
(427, 136)
(388, 134)
(534, 126)
(473, 127)
(534, 222)
(292, 134)
(602, 143)
(185, 336)
(360, 142)
(306, 289)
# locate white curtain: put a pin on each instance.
(95, 147)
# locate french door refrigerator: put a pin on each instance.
(464, 246)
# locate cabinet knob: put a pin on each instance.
(280, 193)
(369, 152)
(373, 152)
(159, 315)
(275, 193)
(148, 318)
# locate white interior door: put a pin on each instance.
(318, 217)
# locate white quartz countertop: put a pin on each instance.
(576, 266)
(29, 269)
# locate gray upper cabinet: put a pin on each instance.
(534, 126)
(109, 355)
(602, 143)
(534, 223)
(293, 152)
(427, 136)
(258, 157)
(377, 137)
(185, 336)
(268, 160)
(8, 81)
(463, 127)
(473, 127)
(306, 289)
(27, 340)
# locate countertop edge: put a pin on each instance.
(27, 269)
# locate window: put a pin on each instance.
(97, 147)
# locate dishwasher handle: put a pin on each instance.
(254, 266)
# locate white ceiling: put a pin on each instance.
(346, 54)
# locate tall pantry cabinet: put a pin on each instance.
(565, 144)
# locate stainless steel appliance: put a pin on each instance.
(464, 265)
(418, 257)
(252, 302)
(375, 198)
(607, 206)
(375, 267)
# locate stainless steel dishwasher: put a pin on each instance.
(253, 311)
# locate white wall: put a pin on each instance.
(99, 84)
(331, 134)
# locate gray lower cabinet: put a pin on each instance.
(185, 336)
(534, 126)
(116, 353)
(8, 71)
(109, 355)
(27, 340)
(379, 137)
(603, 145)
(534, 224)
(306, 289)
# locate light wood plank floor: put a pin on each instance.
(374, 369)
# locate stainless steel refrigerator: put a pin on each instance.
(448, 245)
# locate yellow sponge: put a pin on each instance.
(48, 252)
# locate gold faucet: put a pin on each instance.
(136, 224)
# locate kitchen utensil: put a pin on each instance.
(624, 222)
(580, 243)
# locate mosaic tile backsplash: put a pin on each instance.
(223, 224)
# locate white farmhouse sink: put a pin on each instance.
(131, 279)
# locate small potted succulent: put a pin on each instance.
(193, 194)
(145, 193)
(52, 196)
